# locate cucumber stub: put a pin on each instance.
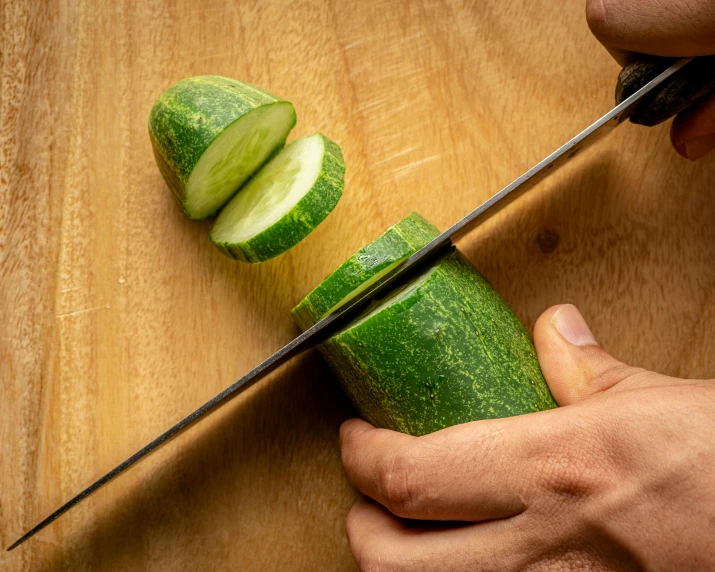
(442, 350)
(210, 134)
(364, 268)
(284, 202)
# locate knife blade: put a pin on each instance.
(339, 318)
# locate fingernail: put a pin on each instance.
(569, 322)
(699, 147)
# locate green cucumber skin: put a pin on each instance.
(451, 352)
(302, 219)
(397, 243)
(190, 115)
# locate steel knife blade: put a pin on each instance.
(332, 323)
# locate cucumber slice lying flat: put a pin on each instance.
(445, 349)
(210, 134)
(290, 196)
(364, 268)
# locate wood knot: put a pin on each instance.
(548, 240)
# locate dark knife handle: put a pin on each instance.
(683, 89)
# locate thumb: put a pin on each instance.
(574, 365)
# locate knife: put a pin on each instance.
(646, 93)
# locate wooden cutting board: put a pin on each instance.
(118, 316)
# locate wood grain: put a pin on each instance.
(117, 316)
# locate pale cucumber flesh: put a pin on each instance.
(394, 297)
(234, 156)
(273, 191)
(364, 286)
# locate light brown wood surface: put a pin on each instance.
(118, 316)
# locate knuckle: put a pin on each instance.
(614, 374)
(577, 469)
(398, 483)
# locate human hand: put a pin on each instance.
(621, 477)
(663, 28)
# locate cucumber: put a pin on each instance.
(364, 268)
(290, 196)
(443, 349)
(210, 134)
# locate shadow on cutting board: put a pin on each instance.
(637, 256)
(273, 451)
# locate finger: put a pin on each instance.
(471, 472)
(693, 131)
(380, 541)
(574, 365)
(672, 28)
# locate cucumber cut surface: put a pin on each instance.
(234, 156)
(290, 196)
(394, 297)
(364, 268)
(210, 134)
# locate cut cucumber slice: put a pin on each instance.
(210, 134)
(282, 204)
(364, 268)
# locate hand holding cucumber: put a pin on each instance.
(620, 477)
